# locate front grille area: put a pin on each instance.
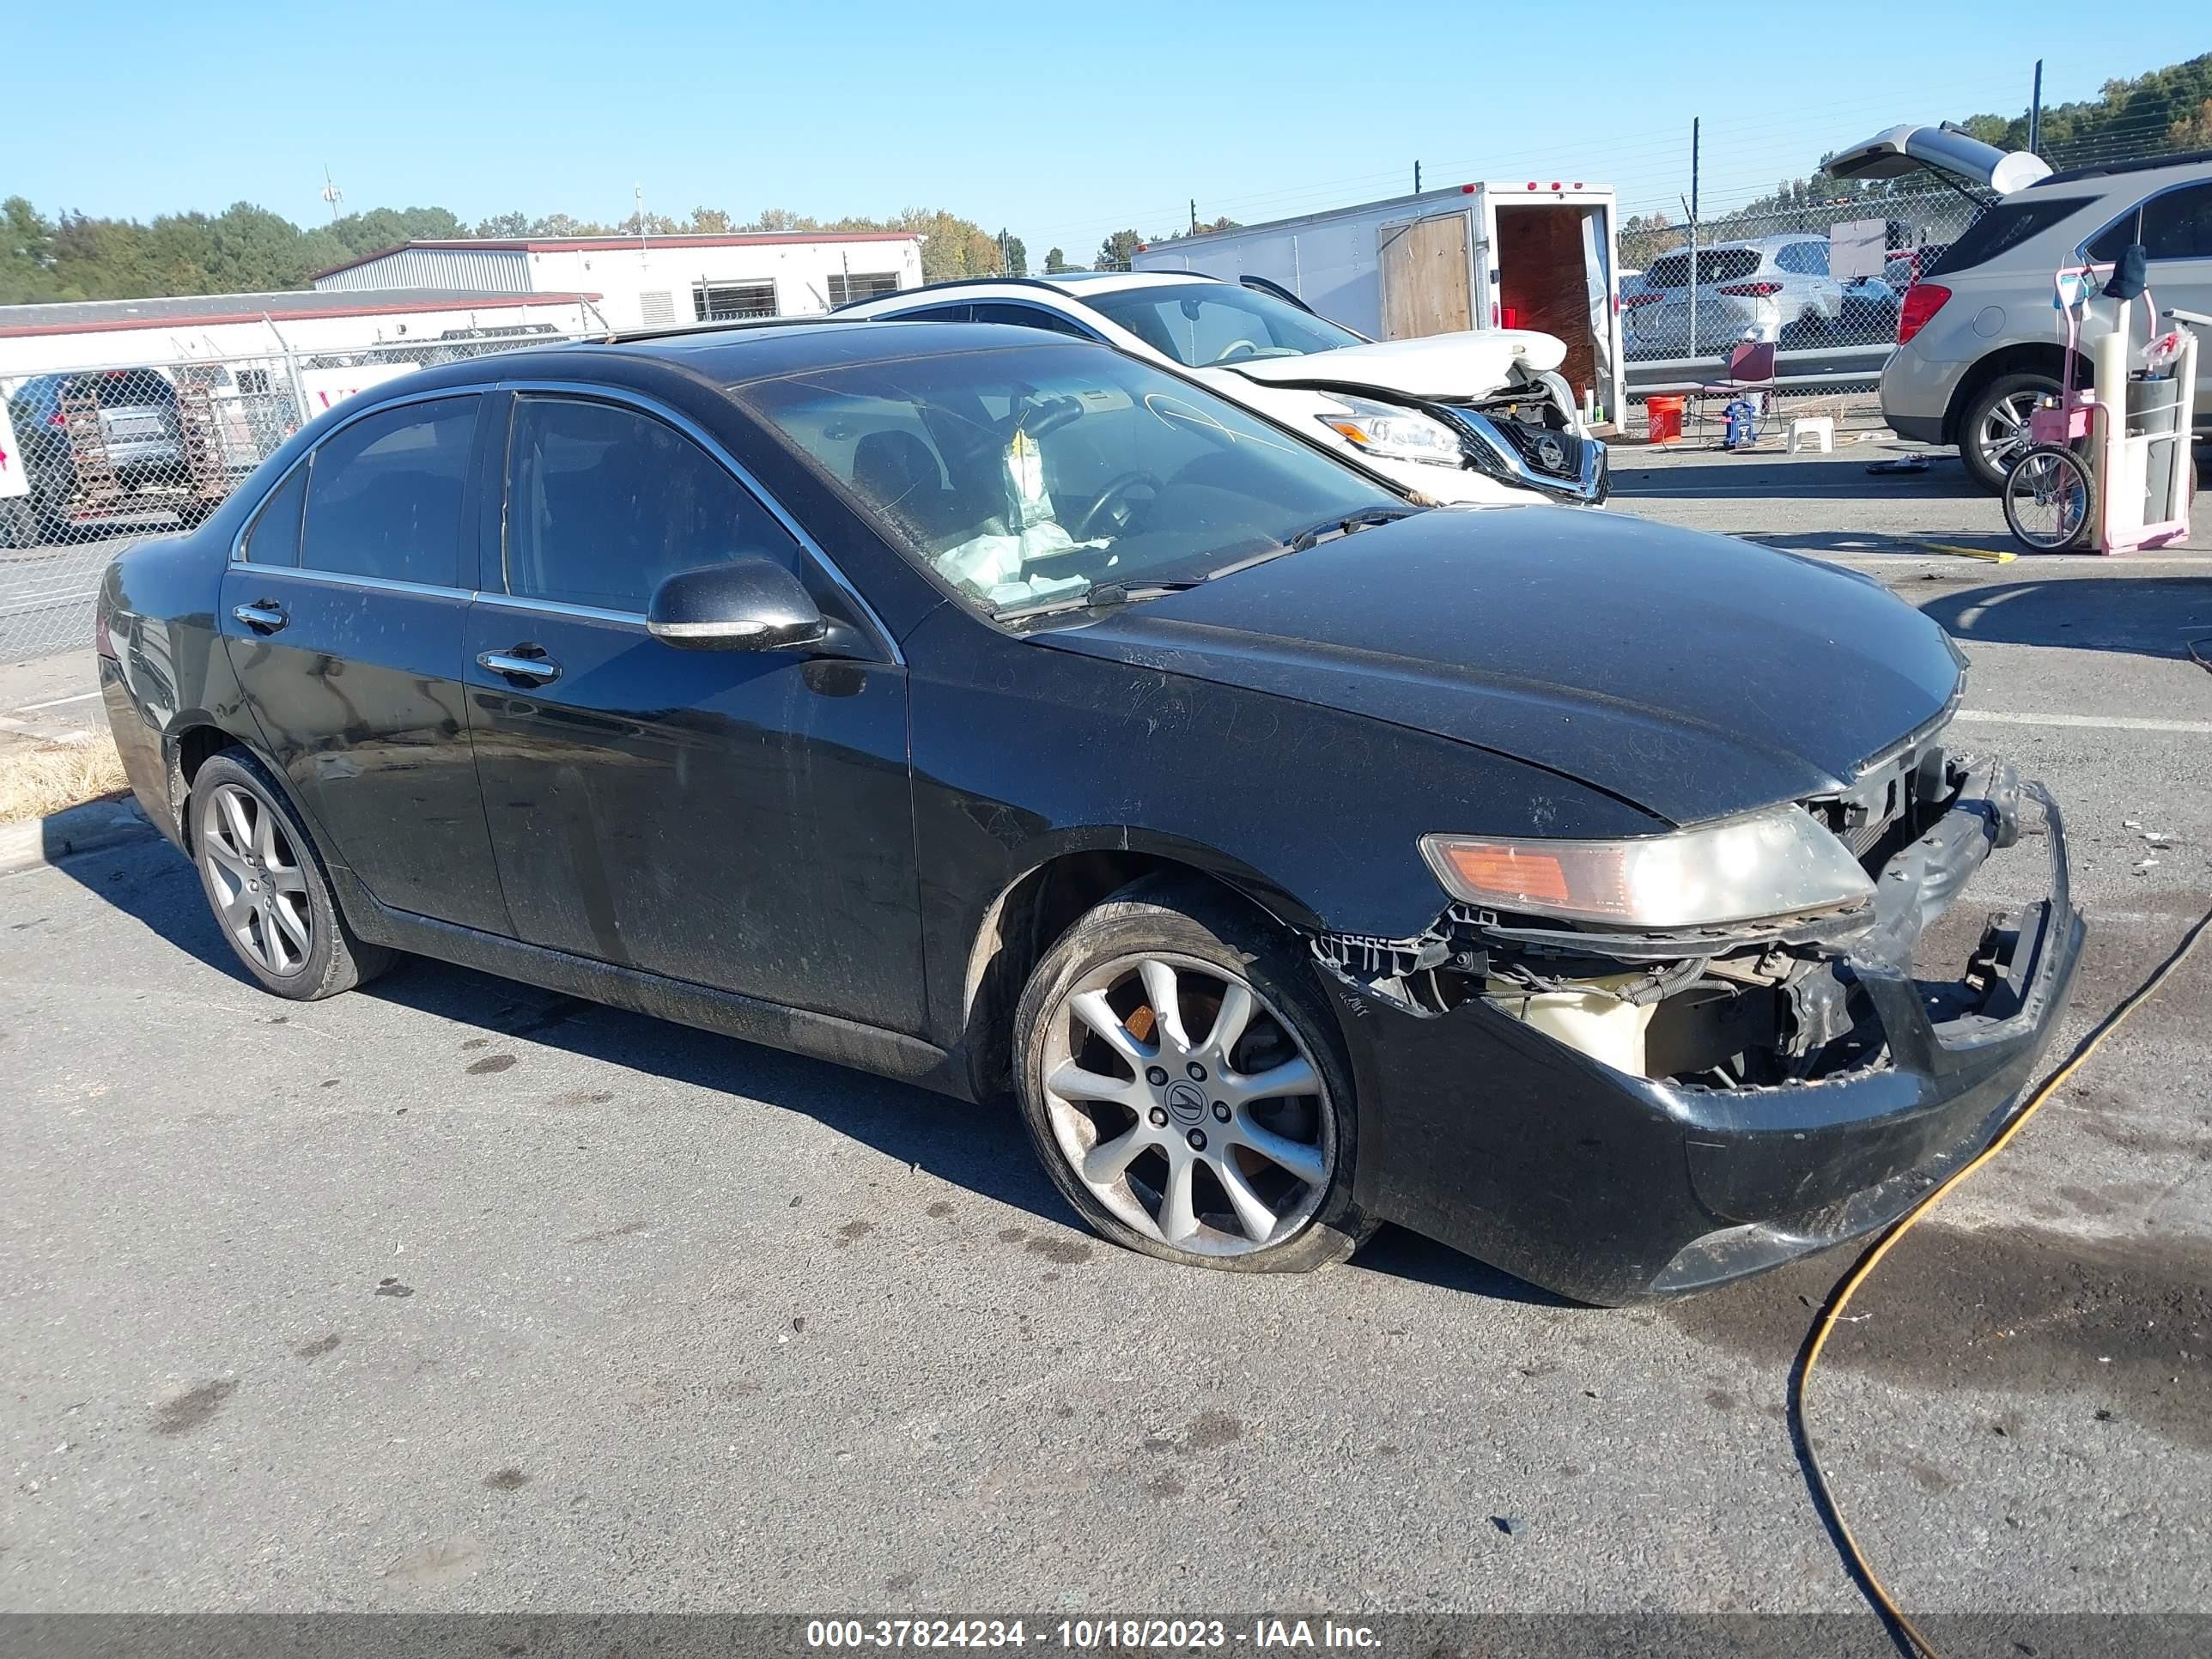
(1554, 454)
(1881, 799)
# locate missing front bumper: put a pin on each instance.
(1494, 1138)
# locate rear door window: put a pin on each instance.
(604, 502)
(2175, 225)
(2003, 227)
(132, 388)
(274, 536)
(385, 495)
(1804, 258)
(1019, 316)
(953, 313)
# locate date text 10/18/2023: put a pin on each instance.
(1089, 1635)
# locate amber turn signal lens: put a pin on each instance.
(1487, 868)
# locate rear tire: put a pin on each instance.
(1164, 1141)
(264, 883)
(1993, 430)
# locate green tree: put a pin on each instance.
(1115, 252)
(245, 248)
(1054, 261)
(27, 257)
(1224, 223)
(1016, 257)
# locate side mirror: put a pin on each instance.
(748, 603)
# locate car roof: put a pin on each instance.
(741, 353)
(1074, 284)
(1755, 244)
(2193, 162)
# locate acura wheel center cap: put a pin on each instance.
(1185, 1102)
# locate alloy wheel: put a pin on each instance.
(1187, 1104)
(253, 871)
(2003, 435)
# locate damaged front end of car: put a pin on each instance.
(1525, 434)
(1640, 1068)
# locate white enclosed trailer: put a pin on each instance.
(1535, 254)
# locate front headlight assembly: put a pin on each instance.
(1393, 434)
(1763, 866)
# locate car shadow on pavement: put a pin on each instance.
(2149, 617)
(1399, 1253)
(980, 1147)
(1763, 473)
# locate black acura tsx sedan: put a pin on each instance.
(987, 710)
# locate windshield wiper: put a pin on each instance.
(1328, 530)
(1104, 596)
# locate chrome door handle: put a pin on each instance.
(265, 616)
(538, 670)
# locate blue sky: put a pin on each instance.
(1060, 122)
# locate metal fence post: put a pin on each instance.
(1695, 274)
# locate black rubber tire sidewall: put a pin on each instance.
(1970, 425)
(2084, 530)
(337, 961)
(1193, 919)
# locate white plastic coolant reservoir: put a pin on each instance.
(1597, 1023)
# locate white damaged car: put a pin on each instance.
(1482, 415)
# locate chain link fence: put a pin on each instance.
(102, 456)
(1807, 297)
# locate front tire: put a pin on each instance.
(1993, 431)
(2050, 499)
(1183, 1080)
(266, 886)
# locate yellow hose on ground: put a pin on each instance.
(1840, 1298)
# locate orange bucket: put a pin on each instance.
(1664, 414)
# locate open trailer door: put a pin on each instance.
(1553, 261)
(1427, 268)
(1896, 151)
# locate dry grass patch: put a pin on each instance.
(39, 778)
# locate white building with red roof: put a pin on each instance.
(656, 281)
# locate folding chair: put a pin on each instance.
(1750, 368)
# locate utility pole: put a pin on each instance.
(331, 193)
(1416, 178)
(2035, 112)
(1194, 216)
(638, 191)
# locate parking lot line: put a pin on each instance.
(2094, 722)
(55, 703)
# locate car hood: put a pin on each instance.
(1469, 364)
(1694, 676)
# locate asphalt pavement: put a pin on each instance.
(454, 1294)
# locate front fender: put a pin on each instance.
(1022, 754)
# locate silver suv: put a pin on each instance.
(1978, 337)
(1775, 289)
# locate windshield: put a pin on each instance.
(1040, 472)
(1201, 324)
